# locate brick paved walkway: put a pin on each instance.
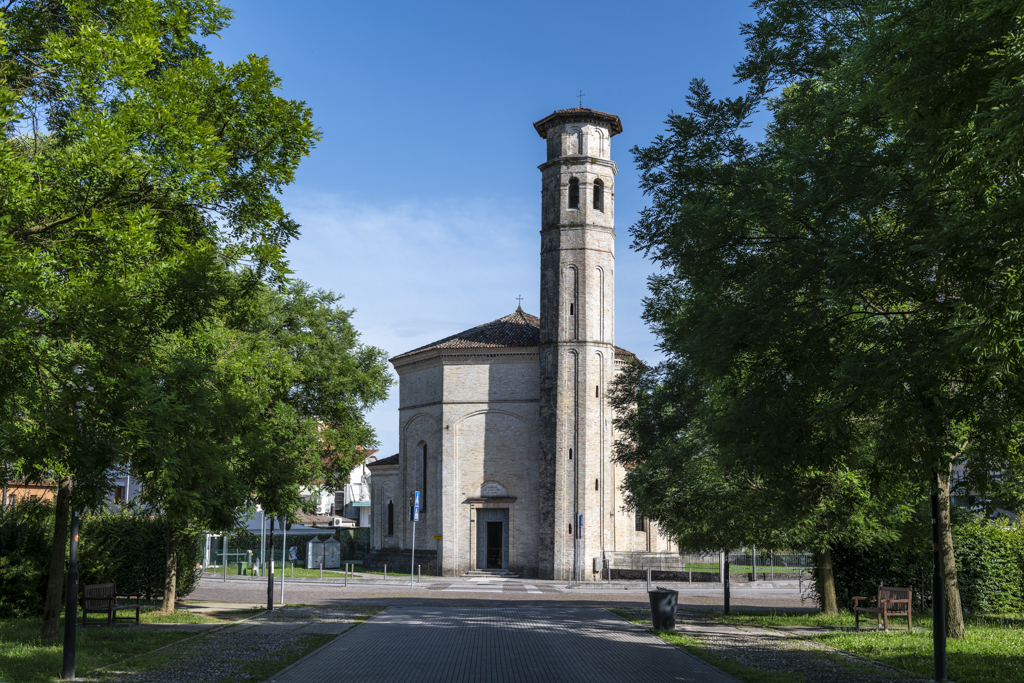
(500, 644)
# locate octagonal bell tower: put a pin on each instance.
(577, 335)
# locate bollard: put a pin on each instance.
(346, 575)
(419, 574)
(385, 573)
(648, 579)
(321, 567)
(689, 575)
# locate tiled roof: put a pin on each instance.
(624, 354)
(384, 462)
(578, 114)
(517, 330)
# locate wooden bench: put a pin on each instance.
(102, 598)
(891, 602)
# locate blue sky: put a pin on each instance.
(422, 204)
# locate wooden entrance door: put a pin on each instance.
(494, 549)
(492, 538)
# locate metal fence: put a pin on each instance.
(746, 559)
(661, 561)
(764, 559)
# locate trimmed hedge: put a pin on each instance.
(26, 531)
(128, 546)
(123, 545)
(989, 560)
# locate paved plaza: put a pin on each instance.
(454, 644)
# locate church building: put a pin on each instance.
(505, 429)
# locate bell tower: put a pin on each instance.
(577, 337)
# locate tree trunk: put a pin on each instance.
(954, 612)
(171, 570)
(55, 582)
(826, 583)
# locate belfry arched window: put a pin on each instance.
(574, 193)
(579, 142)
(598, 195)
(391, 518)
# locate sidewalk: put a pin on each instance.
(499, 645)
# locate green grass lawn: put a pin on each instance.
(290, 571)
(992, 651)
(24, 658)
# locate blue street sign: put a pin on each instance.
(416, 506)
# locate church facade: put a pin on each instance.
(506, 429)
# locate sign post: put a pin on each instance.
(415, 518)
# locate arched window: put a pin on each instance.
(598, 195)
(391, 518)
(574, 193)
(423, 493)
(579, 142)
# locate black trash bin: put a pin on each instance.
(663, 609)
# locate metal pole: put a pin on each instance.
(225, 553)
(725, 586)
(753, 561)
(938, 597)
(413, 561)
(284, 554)
(419, 574)
(71, 605)
(648, 579)
(385, 573)
(346, 575)
(270, 571)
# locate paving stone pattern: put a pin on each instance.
(499, 645)
(223, 655)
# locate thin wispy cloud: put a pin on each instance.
(416, 273)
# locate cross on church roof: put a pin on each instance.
(581, 98)
(520, 300)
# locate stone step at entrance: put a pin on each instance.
(489, 574)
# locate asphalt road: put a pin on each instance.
(452, 592)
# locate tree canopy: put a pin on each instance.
(146, 315)
(843, 296)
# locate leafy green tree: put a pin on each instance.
(847, 291)
(133, 170)
(251, 406)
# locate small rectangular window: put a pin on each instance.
(119, 494)
(641, 523)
